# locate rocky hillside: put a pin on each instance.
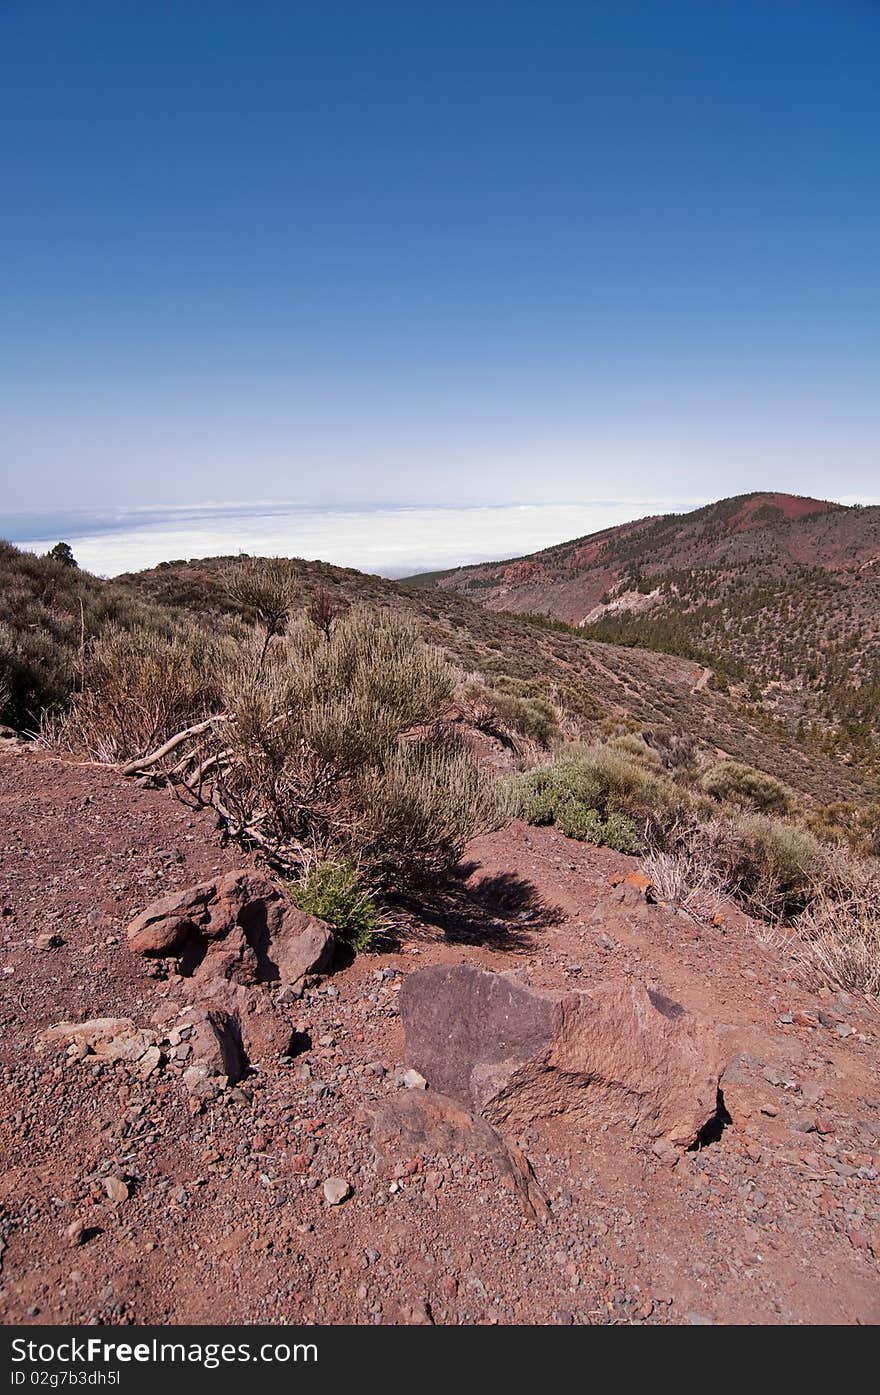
(187, 1135)
(778, 595)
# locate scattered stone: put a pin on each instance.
(216, 1043)
(77, 1232)
(48, 941)
(665, 1151)
(804, 1019)
(116, 1189)
(412, 1080)
(336, 1190)
(109, 1038)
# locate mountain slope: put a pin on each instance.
(779, 595)
(523, 662)
(594, 686)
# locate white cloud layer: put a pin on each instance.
(391, 541)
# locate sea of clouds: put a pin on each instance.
(392, 541)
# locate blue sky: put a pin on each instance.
(458, 254)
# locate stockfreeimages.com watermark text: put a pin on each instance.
(97, 1351)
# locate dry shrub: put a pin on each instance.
(139, 686)
(771, 868)
(844, 821)
(733, 783)
(262, 590)
(685, 883)
(420, 807)
(633, 744)
(512, 714)
(329, 745)
(840, 930)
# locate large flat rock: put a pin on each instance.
(622, 1055)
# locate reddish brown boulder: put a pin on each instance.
(620, 1055)
(167, 923)
(240, 927)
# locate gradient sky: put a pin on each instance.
(437, 253)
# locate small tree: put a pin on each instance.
(322, 612)
(263, 588)
(63, 552)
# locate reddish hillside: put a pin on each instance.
(778, 593)
(570, 578)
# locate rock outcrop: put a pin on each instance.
(621, 1055)
(241, 927)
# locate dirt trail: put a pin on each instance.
(777, 1220)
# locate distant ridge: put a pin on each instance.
(776, 592)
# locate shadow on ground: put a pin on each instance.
(501, 911)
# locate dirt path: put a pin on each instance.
(776, 1221)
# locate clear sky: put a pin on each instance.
(437, 253)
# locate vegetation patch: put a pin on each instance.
(332, 891)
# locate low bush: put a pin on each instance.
(846, 822)
(733, 783)
(419, 806)
(840, 929)
(770, 867)
(140, 686)
(684, 882)
(587, 825)
(54, 615)
(332, 891)
(531, 716)
(607, 780)
(633, 744)
(318, 741)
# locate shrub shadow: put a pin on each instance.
(500, 911)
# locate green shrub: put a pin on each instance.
(620, 834)
(605, 779)
(616, 831)
(575, 820)
(771, 867)
(63, 552)
(733, 783)
(332, 892)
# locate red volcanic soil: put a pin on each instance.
(791, 506)
(775, 1219)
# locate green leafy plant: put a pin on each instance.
(331, 891)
